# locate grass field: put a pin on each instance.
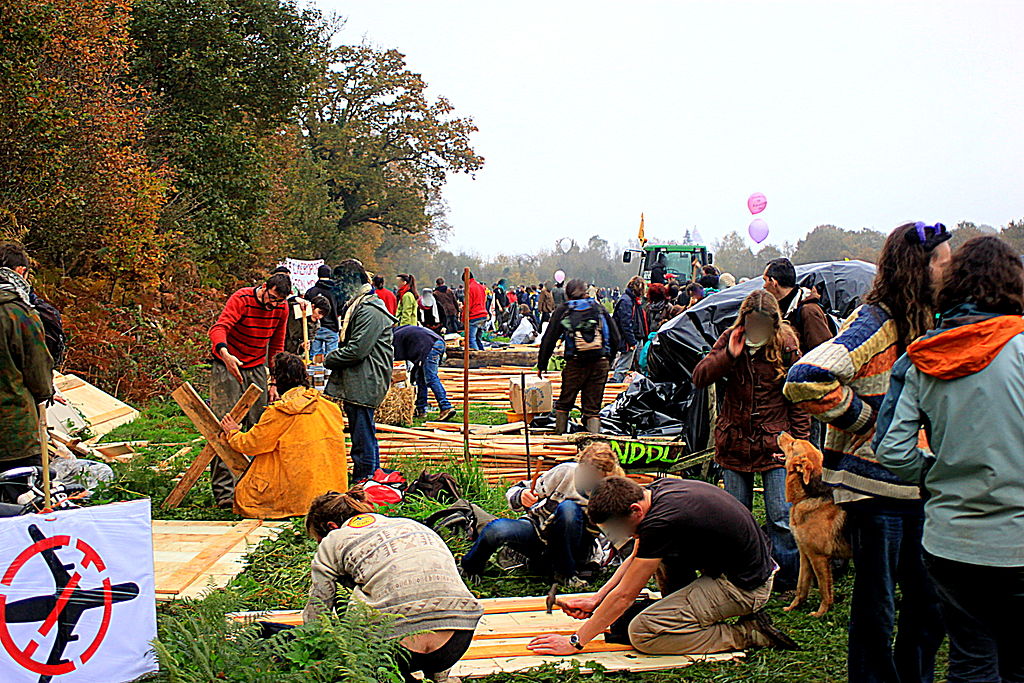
(195, 644)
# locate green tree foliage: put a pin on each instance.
(384, 149)
(227, 75)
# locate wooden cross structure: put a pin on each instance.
(209, 426)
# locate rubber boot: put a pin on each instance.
(561, 421)
(594, 425)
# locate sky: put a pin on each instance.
(858, 114)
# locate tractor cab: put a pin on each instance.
(680, 261)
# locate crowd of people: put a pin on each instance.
(915, 399)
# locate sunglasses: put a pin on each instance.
(928, 236)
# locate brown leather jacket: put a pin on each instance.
(753, 410)
(546, 301)
(802, 310)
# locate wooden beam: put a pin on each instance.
(205, 457)
(209, 426)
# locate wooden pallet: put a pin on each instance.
(191, 557)
(103, 411)
(508, 625)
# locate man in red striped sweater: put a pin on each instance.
(249, 330)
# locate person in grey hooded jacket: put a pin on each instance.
(963, 384)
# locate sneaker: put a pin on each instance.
(419, 413)
(446, 415)
(762, 632)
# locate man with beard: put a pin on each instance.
(250, 329)
(361, 365)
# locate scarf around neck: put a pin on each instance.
(11, 281)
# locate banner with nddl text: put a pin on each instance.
(303, 273)
(77, 598)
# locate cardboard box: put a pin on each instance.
(538, 395)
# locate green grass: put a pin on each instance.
(277, 577)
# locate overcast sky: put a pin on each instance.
(859, 114)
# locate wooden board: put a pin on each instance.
(103, 411)
(508, 625)
(190, 557)
(209, 426)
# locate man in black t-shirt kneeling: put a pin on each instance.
(681, 527)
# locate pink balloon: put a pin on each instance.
(559, 275)
(758, 230)
(756, 203)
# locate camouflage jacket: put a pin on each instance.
(26, 376)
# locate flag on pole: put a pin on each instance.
(640, 234)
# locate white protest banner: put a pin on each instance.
(77, 598)
(303, 273)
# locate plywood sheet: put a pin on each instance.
(509, 624)
(191, 557)
(103, 411)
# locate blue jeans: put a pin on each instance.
(476, 333)
(740, 486)
(887, 551)
(426, 376)
(324, 342)
(365, 453)
(567, 541)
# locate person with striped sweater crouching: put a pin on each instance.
(842, 383)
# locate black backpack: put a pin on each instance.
(53, 328)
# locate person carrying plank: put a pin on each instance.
(249, 330)
(399, 567)
(679, 527)
(297, 448)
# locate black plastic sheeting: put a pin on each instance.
(665, 403)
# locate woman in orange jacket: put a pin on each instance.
(297, 448)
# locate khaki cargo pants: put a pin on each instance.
(224, 394)
(692, 619)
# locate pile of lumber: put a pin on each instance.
(499, 450)
(519, 355)
(489, 386)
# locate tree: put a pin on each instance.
(228, 76)
(75, 183)
(829, 243)
(384, 147)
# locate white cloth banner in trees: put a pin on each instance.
(303, 273)
(77, 598)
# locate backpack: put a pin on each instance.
(436, 486)
(586, 329)
(53, 328)
(798, 314)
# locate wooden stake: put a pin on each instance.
(465, 364)
(305, 334)
(526, 426)
(44, 445)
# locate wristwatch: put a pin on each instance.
(574, 640)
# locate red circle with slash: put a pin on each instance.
(24, 655)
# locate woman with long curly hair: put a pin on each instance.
(749, 363)
(842, 383)
(971, 364)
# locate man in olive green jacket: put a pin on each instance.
(361, 365)
(26, 373)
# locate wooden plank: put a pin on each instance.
(208, 425)
(520, 650)
(182, 577)
(205, 457)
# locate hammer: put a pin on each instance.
(551, 600)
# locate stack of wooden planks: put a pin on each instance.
(508, 625)
(489, 386)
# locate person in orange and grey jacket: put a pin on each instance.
(963, 383)
(749, 362)
(633, 326)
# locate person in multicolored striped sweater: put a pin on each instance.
(842, 383)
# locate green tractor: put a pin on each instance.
(682, 261)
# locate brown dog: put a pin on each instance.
(817, 523)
